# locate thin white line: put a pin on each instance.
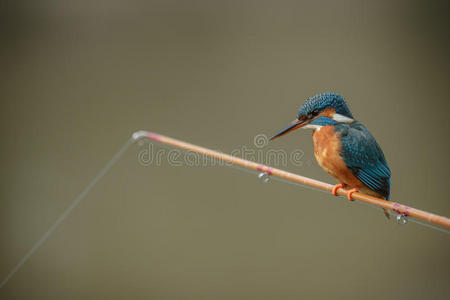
(99, 176)
(67, 211)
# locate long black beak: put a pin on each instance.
(291, 127)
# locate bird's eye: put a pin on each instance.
(315, 112)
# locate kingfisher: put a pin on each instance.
(343, 146)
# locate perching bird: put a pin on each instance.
(343, 147)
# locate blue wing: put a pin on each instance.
(364, 157)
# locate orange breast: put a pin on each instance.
(327, 148)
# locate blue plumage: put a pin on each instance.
(323, 121)
(324, 100)
(364, 157)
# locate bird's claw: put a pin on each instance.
(341, 185)
(350, 192)
(336, 187)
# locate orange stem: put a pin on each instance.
(393, 206)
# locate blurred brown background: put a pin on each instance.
(79, 77)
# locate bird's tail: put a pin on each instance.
(386, 213)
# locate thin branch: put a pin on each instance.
(389, 205)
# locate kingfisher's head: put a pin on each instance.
(320, 110)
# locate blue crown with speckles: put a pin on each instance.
(325, 100)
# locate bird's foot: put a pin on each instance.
(342, 185)
(336, 187)
(350, 192)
